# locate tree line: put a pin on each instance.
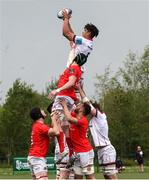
(124, 96)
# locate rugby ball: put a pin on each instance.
(60, 13)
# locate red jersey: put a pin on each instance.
(73, 70)
(39, 140)
(78, 135)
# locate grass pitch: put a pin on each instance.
(129, 173)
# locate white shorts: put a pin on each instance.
(107, 159)
(84, 164)
(58, 155)
(38, 166)
(57, 107)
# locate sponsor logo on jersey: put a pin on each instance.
(79, 41)
(71, 70)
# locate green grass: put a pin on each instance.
(129, 173)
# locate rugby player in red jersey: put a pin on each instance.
(83, 165)
(40, 143)
(66, 90)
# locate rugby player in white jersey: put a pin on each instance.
(99, 131)
(79, 44)
(81, 48)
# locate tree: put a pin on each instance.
(125, 98)
(15, 124)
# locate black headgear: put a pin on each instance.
(80, 59)
(36, 114)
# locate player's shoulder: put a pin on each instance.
(44, 127)
(75, 67)
(84, 120)
(79, 39)
(83, 39)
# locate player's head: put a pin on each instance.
(87, 109)
(80, 59)
(49, 108)
(36, 113)
(83, 108)
(90, 31)
(97, 106)
(139, 148)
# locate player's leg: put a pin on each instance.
(64, 123)
(141, 167)
(84, 165)
(57, 172)
(32, 173)
(107, 159)
(39, 168)
(64, 173)
(88, 165)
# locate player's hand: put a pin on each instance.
(66, 15)
(55, 115)
(78, 86)
(52, 94)
(63, 102)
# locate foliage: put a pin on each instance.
(15, 123)
(125, 98)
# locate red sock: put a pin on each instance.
(60, 139)
(68, 140)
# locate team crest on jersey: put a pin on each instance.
(71, 70)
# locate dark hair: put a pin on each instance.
(92, 28)
(80, 59)
(49, 108)
(97, 106)
(87, 109)
(35, 113)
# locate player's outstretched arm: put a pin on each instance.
(85, 99)
(67, 30)
(67, 113)
(70, 83)
(54, 131)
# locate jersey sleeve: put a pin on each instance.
(44, 129)
(101, 115)
(78, 40)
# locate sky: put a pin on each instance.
(33, 48)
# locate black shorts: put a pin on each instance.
(140, 161)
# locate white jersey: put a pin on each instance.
(80, 45)
(99, 129)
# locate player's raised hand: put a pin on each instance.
(63, 102)
(52, 94)
(78, 86)
(66, 15)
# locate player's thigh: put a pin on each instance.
(84, 165)
(107, 159)
(39, 167)
(87, 171)
(106, 155)
(85, 158)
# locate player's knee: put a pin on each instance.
(109, 170)
(42, 176)
(89, 170)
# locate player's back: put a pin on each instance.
(99, 129)
(39, 140)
